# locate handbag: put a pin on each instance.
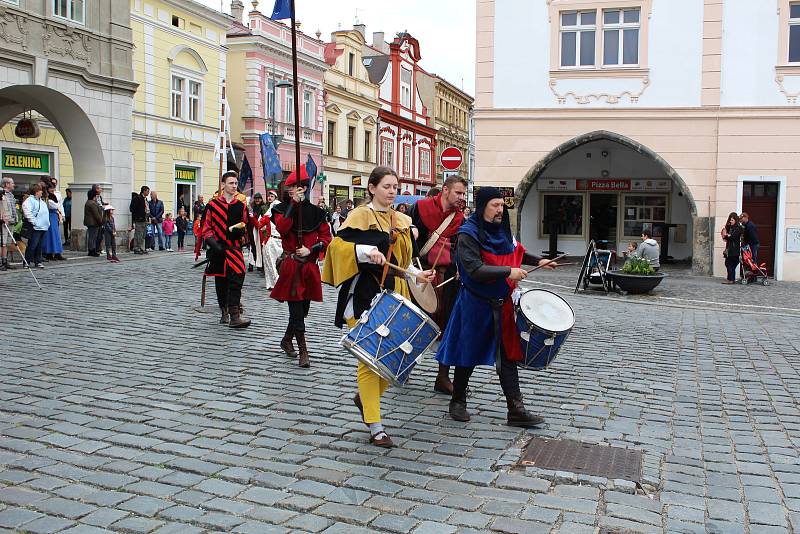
(27, 229)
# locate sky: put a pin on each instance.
(445, 29)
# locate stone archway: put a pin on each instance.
(701, 244)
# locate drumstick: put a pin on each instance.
(439, 255)
(445, 282)
(419, 263)
(398, 268)
(529, 271)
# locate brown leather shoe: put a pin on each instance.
(237, 321)
(385, 442)
(286, 343)
(304, 362)
(443, 383)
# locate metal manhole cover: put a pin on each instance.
(583, 458)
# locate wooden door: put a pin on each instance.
(760, 201)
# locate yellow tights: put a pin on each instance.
(370, 389)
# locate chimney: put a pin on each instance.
(377, 40)
(237, 10)
(362, 29)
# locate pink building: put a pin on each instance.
(260, 58)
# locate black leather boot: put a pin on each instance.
(286, 343)
(458, 406)
(443, 384)
(301, 345)
(225, 318)
(519, 416)
(237, 321)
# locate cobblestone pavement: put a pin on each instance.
(123, 410)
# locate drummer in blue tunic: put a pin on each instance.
(481, 329)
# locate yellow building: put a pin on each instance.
(179, 63)
(351, 115)
(46, 155)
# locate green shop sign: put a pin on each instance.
(186, 174)
(22, 160)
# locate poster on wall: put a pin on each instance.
(508, 195)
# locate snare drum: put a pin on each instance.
(544, 320)
(391, 336)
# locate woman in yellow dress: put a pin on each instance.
(355, 263)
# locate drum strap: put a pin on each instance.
(392, 241)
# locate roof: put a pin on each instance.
(238, 29)
(376, 67)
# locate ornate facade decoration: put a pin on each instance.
(10, 18)
(71, 43)
(607, 97)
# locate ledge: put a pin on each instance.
(791, 69)
(564, 74)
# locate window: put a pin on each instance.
(406, 160)
(270, 103)
(794, 32)
(73, 10)
(621, 37)
(351, 142)
(424, 162)
(387, 153)
(177, 97)
(367, 146)
(351, 60)
(562, 213)
(290, 104)
(405, 87)
(308, 115)
(577, 38)
(194, 101)
(642, 210)
(331, 138)
(338, 194)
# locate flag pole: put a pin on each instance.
(223, 155)
(296, 100)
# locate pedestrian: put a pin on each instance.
(37, 216)
(467, 212)
(181, 225)
(402, 208)
(257, 210)
(98, 189)
(67, 205)
(157, 220)
(223, 227)
(273, 248)
(169, 228)
(199, 208)
(52, 247)
(348, 207)
(110, 233)
(732, 234)
(481, 330)
(354, 265)
(336, 219)
(750, 235)
(432, 192)
(649, 250)
(437, 219)
(93, 220)
(140, 214)
(305, 234)
(9, 219)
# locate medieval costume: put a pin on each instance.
(222, 228)
(437, 229)
(481, 330)
(298, 277)
(272, 248)
(348, 267)
(257, 210)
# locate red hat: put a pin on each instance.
(292, 179)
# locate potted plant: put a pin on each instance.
(636, 276)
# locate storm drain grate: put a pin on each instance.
(583, 458)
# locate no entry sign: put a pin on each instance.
(451, 158)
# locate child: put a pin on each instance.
(110, 232)
(149, 241)
(169, 228)
(181, 224)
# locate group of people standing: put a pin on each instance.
(372, 251)
(738, 231)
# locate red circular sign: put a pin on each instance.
(451, 158)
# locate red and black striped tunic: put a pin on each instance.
(218, 217)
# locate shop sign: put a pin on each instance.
(555, 185)
(21, 160)
(508, 195)
(355, 180)
(601, 184)
(27, 128)
(658, 186)
(186, 174)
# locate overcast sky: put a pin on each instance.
(445, 28)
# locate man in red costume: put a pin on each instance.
(437, 219)
(223, 229)
(305, 233)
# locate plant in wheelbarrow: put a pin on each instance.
(636, 276)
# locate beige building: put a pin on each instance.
(351, 116)
(608, 117)
(450, 108)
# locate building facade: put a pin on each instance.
(450, 109)
(70, 64)
(406, 137)
(632, 114)
(259, 60)
(351, 118)
(179, 63)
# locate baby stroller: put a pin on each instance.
(597, 269)
(751, 272)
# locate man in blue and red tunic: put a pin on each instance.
(481, 329)
(305, 234)
(223, 229)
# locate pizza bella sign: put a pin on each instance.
(24, 161)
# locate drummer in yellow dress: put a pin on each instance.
(372, 235)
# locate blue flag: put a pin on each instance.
(270, 161)
(282, 10)
(311, 170)
(246, 175)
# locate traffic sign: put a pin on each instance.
(451, 158)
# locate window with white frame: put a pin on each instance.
(406, 160)
(178, 84)
(577, 38)
(794, 32)
(290, 105)
(424, 162)
(621, 36)
(194, 101)
(405, 87)
(307, 109)
(74, 10)
(270, 103)
(186, 100)
(15, 2)
(387, 153)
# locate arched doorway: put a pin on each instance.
(603, 185)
